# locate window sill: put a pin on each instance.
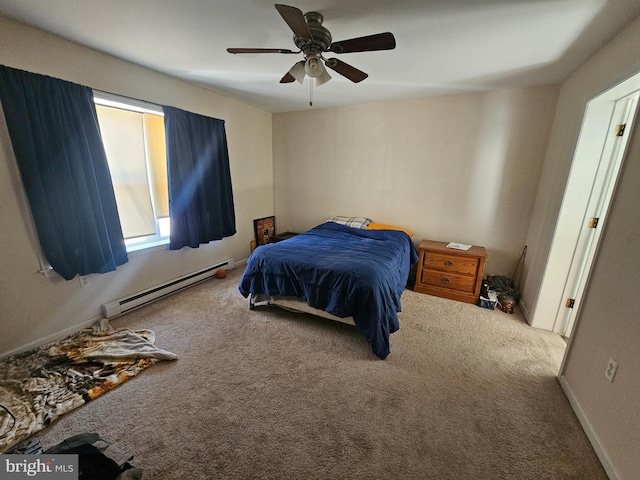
(136, 250)
(133, 251)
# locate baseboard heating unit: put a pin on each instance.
(126, 304)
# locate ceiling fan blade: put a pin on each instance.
(346, 70)
(370, 43)
(295, 19)
(288, 78)
(259, 50)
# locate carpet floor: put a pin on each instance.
(466, 393)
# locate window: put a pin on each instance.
(134, 141)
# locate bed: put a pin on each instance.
(344, 273)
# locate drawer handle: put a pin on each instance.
(449, 263)
(445, 280)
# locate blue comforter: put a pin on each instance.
(342, 270)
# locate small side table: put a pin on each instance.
(278, 237)
(450, 273)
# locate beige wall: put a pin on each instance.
(607, 324)
(33, 308)
(609, 327)
(458, 168)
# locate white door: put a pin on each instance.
(613, 148)
(597, 160)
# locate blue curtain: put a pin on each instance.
(200, 195)
(56, 140)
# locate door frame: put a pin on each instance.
(549, 311)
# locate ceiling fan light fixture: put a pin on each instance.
(323, 78)
(298, 71)
(314, 67)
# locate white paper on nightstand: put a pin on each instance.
(459, 246)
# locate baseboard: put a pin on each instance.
(609, 467)
(50, 338)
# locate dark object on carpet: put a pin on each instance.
(506, 292)
(506, 302)
(488, 298)
(503, 285)
(37, 387)
(97, 459)
(31, 446)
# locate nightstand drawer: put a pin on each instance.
(451, 281)
(450, 263)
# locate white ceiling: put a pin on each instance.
(443, 46)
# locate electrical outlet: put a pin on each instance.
(84, 281)
(289, 229)
(610, 372)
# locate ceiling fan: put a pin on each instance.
(313, 39)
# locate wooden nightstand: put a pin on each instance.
(282, 236)
(450, 273)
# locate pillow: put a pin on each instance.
(355, 222)
(382, 226)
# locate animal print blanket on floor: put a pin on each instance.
(37, 387)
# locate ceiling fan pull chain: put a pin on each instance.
(311, 92)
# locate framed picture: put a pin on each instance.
(264, 229)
